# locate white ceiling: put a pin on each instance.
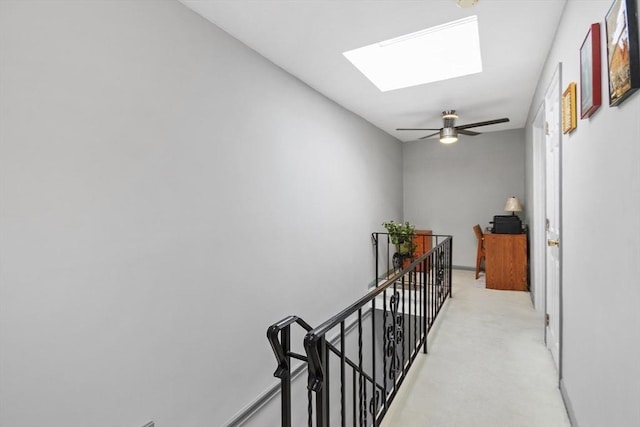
(307, 38)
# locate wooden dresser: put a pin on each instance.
(506, 261)
(423, 241)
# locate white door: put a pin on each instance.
(553, 182)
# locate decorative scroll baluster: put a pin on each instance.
(394, 336)
(374, 403)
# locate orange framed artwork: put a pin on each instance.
(569, 120)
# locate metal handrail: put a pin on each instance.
(432, 267)
(405, 326)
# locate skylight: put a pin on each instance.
(437, 53)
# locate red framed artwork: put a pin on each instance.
(590, 73)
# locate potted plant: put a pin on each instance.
(401, 235)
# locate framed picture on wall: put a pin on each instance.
(590, 73)
(623, 57)
(569, 121)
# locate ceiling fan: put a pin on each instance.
(449, 131)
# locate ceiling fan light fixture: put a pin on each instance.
(448, 135)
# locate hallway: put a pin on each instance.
(487, 366)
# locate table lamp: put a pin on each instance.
(513, 205)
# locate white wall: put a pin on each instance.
(166, 194)
(600, 242)
(451, 188)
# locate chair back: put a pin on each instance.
(478, 230)
(481, 253)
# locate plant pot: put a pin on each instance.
(405, 248)
(399, 258)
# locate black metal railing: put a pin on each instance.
(279, 336)
(358, 358)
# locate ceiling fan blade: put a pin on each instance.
(488, 122)
(429, 136)
(418, 129)
(468, 132)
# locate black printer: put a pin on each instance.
(506, 224)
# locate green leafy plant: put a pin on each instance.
(401, 235)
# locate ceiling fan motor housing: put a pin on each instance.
(449, 117)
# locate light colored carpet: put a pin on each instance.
(487, 366)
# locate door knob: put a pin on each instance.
(551, 242)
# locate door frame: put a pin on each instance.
(538, 231)
(539, 262)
